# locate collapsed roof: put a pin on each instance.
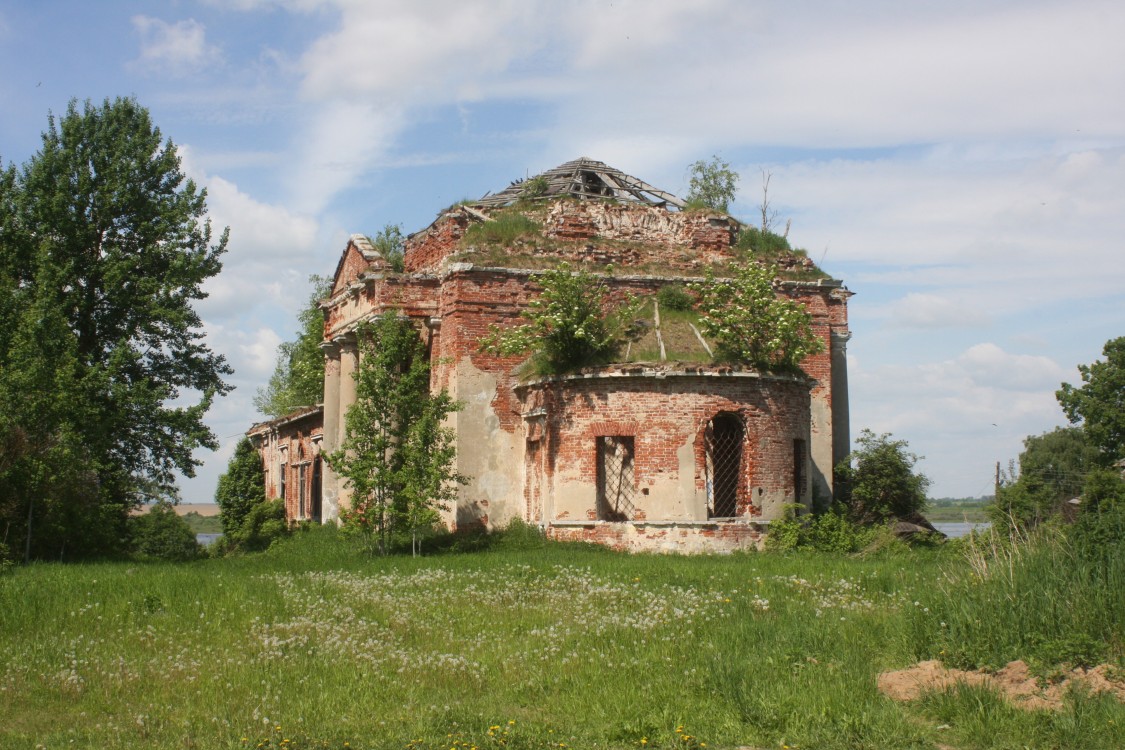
(584, 179)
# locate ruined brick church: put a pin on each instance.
(663, 450)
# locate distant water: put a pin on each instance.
(954, 529)
(206, 539)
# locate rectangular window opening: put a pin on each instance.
(616, 481)
(302, 490)
(800, 464)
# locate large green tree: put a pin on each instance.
(1052, 470)
(879, 480)
(398, 455)
(104, 376)
(1099, 403)
(298, 377)
(241, 488)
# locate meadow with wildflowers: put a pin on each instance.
(531, 645)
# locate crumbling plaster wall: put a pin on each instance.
(665, 413)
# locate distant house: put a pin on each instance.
(663, 450)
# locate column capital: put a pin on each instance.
(346, 341)
(330, 348)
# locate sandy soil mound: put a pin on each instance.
(1015, 682)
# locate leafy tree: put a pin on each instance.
(162, 535)
(880, 480)
(1052, 470)
(261, 526)
(1099, 404)
(750, 324)
(391, 244)
(1103, 490)
(397, 457)
(298, 377)
(104, 247)
(572, 324)
(241, 488)
(713, 184)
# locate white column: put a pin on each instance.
(329, 482)
(349, 361)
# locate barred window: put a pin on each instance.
(724, 465)
(616, 485)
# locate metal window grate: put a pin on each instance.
(724, 463)
(616, 491)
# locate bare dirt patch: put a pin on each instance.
(1015, 682)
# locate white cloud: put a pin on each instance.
(998, 236)
(268, 249)
(178, 47)
(989, 366)
(260, 231)
(252, 353)
(963, 413)
(920, 310)
(339, 145)
(417, 52)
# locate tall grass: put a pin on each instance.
(521, 643)
(1044, 597)
(503, 229)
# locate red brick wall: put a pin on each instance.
(663, 412)
(296, 442)
(426, 250)
(351, 267)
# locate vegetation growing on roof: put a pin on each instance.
(504, 228)
(674, 297)
(713, 185)
(750, 324)
(573, 324)
(536, 187)
(390, 243)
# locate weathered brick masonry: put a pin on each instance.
(290, 450)
(657, 455)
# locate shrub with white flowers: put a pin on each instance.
(574, 323)
(750, 324)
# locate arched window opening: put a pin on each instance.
(724, 465)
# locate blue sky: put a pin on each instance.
(961, 165)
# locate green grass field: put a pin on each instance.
(524, 645)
